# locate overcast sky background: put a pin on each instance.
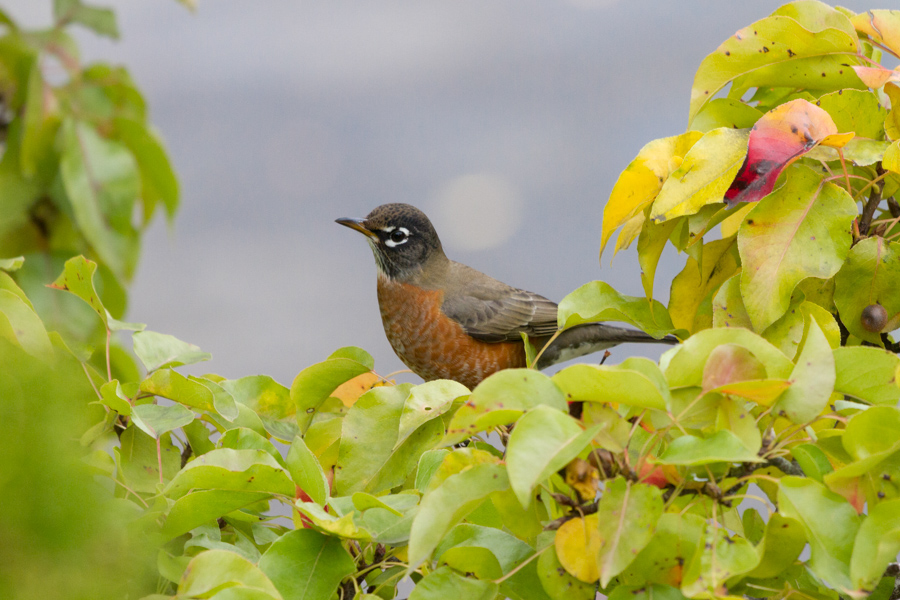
(506, 121)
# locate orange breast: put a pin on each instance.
(435, 346)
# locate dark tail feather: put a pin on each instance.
(593, 337)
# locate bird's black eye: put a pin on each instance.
(398, 235)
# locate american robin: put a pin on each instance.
(448, 321)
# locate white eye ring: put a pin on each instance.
(397, 237)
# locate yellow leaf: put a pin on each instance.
(703, 177)
(731, 224)
(837, 140)
(642, 179)
(761, 391)
(350, 391)
(584, 478)
(891, 160)
(577, 545)
(630, 230)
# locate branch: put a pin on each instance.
(889, 345)
(871, 204)
(893, 570)
(894, 207)
(582, 511)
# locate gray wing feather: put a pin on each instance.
(495, 312)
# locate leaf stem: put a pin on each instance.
(91, 381)
(518, 567)
(159, 459)
(108, 364)
(537, 356)
(840, 152)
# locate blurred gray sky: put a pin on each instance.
(506, 121)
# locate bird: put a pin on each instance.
(446, 320)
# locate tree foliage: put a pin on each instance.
(773, 428)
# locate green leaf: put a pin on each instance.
(719, 557)
(446, 584)
(873, 433)
(543, 441)
(444, 506)
(728, 305)
(428, 401)
(557, 582)
(685, 364)
(783, 542)
(101, 21)
(235, 470)
(867, 374)
(674, 544)
(830, 524)
(704, 176)
(871, 275)
(726, 112)
(598, 301)
(306, 471)
(78, 278)
(22, 326)
(270, 400)
(140, 460)
(370, 457)
(112, 396)
(646, 592)
(197, 508)
(11, 264)
(155, 420)
(628, 514)
(750, 50)
(215, 569)
(501, 399)
(877, 544)
(306, 565)
(159, 351)
(175, 386)
(466, 538)
(101, 181)
(722, 446)
(314, 384)
(855, 110)
(429, 463)
(812, 379)
(244, 438)
(812, 460)
(613, 384)
(385, 525)
(800, 230)
(223, 401)
(860, 151)
(158, 182)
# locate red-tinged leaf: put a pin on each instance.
(730, 363)
(780, 137)
(875, 77)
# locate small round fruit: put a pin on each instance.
(873, 318)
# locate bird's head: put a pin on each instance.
(402, 239)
